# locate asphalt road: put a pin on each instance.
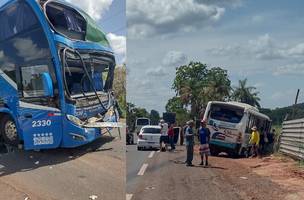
(135, 159)
(87, 172)
(164, 176)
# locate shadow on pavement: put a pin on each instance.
(13, 160)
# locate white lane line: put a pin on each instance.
(142, 169)
(151, 154)
(129, 196)
(158, 151)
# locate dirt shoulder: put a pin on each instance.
(284, 171)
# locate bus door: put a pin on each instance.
(250, 123)
(39, 115)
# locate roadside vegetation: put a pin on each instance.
(119, 88)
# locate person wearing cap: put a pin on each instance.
(189, 143)
(254, 141)
(164, 135)
(204, 138)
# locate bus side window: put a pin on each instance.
(32, 82)
(14, 19)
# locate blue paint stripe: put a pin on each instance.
(223, 144)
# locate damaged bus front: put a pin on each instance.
(56, 71)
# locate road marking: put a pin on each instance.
(158, 151)
(151, 154)
(142, 169)
(129, 196)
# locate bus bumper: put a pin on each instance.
(74, 136)
(223, 144)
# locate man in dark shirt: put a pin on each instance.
(189, 143)
(204, 138)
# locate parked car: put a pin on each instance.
(129, 136)
(148, 137)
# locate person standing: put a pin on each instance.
(164, 135)
(254, 141)
(271, 137)
(171, 136)
(182, 136)
(189, 143)
(204, 138)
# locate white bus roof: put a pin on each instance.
(247, 107)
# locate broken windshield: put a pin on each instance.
(77, 82)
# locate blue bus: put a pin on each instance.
(56, 75)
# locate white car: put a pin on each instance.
(148, 137)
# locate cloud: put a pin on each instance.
(153, 17)
(263, 47)
(157, 72)
(118, 44)
(174, 58)
(95, 8)
(28, 50)
(292, 69)
(171, 60)
(257, 19)
(228, 50)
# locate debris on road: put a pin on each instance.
(93, 197)
(244, 178)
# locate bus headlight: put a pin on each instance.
(75, 120)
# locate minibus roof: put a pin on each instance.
(247, 107)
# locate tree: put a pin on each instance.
(195, 85)
(219, 85)
(133, 113)
(154, 117)
(246, 94)
(119, 88)
(175, 105)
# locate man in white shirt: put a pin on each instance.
(164, 135)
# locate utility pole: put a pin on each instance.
(296, 102)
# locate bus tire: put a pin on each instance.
(235, 152)
(8, 131)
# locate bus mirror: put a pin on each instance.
(47, 85)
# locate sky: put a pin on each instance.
(111, 17)
(258, 40)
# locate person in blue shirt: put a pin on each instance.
(189, 142)
(204, 138)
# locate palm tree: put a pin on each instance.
(246, 94)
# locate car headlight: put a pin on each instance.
(75, 120)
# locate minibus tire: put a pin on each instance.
(213, 150)
(8, 131)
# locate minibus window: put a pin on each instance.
(226, 113)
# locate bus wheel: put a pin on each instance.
(8, 131)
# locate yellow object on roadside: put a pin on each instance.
(255, 138)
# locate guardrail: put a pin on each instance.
(292, 138)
